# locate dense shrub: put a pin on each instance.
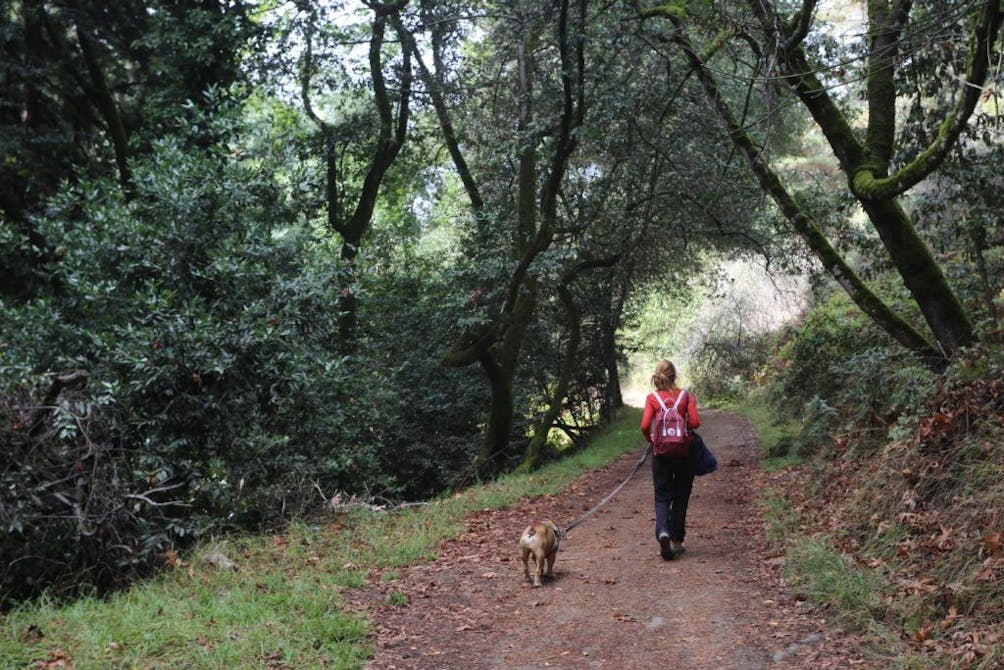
(725, 367)
(811, 359)
(205, 313)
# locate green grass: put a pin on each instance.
(281, 606)
(777, 435)
(816, 568)
(782, 524)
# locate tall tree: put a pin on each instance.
(497, 344)
(868, 160)
(350, 214)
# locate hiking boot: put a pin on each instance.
(665, 546)
(676, 547)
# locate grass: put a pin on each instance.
(781, 522)
(281, 605)
(915, 589)
(829, 578)
(777, 436)
(814, 567)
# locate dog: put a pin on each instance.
(540, 539)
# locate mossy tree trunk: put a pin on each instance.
(866, 163)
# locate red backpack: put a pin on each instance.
(669, 429)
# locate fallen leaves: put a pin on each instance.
(58, 659)
(172, 560)
(989, 570)
(993, 543)
(945, 539)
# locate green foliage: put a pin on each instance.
(397, 599)
(281, 602)
(808, 363)
(842, 380)
(819, 421)
(205, 313)
(776, 432)
(831, 579)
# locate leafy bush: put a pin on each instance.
(205, 313)
(818, 423)
(809, 362)
(725, 368)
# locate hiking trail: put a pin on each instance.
(614, 603)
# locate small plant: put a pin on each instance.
(781, 521)
(831, 579)
(818, 423)
(397, 598)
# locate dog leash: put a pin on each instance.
(603, 502)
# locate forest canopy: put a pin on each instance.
(257, 254)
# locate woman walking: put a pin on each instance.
(672, 470)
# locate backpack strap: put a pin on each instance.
(676, 404)
(659, 398)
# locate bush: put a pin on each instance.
(810, 359)
(204, 312)
(724, 368)
(66, 511)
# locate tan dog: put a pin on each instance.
(541, 540)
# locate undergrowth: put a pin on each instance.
(897, 529)
(267, 601)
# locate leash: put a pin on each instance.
(603, 502)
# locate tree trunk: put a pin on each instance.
(499, 364)
(521, 298)
(978, 238)
(390, 140)
(866, 166)
(804, 224)
(490, 459)
(922, 276)
(535, 448)
(108, 108)
(534, 238)
(614, 400)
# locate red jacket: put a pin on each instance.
(687, 408)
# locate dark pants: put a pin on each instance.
(673, 479)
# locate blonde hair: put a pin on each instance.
(664, 378)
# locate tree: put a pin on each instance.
(92, 84)
(569, 363)
(350, 215)
(867, 162)
(497, 343)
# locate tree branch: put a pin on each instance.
(800, 219)
(798, 29)
(869, 183)
(434, 87)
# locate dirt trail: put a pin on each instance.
(614, 603)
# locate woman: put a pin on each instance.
(672, 476)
